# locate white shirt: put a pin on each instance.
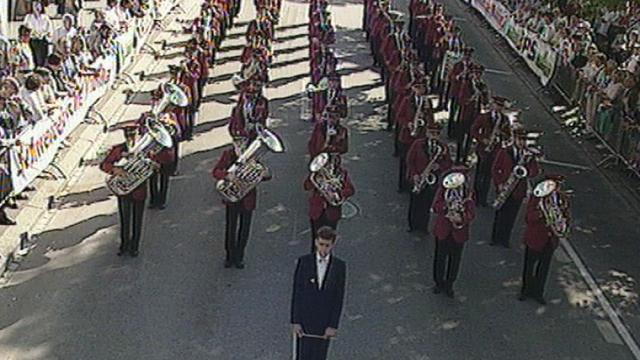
(40, 25)
(322, 264)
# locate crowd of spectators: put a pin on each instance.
(47, 68)
(601, 46)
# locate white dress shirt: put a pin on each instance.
(322, 263)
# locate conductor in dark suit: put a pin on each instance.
(318, 295)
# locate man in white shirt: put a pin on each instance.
(318, 297)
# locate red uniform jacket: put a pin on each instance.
(502, 168)
(537, 235)
(317, 203)
(456, 71)
(227, 158)
(443, 227)
(481, 131)
(418, 159)
(116, 153)
(402, 107)
(405, 133)
(238, 123)
(338, 144)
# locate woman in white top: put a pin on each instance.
(67, 30)
(41, 29)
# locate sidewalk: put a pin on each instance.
(85, 142)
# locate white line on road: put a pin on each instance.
(498, 72)
(602, 299)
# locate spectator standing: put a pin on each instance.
(41, 28)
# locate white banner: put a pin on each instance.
(537, 54)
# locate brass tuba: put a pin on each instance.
(247, 73)
(247, 170)
(138, 166)
(325, 180)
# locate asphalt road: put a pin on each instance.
(73, 298)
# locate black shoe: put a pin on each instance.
(450, 293)
(152, 206)
(120, 252)
(134, 253)
(541, 300)
(493, 243)
(437, 289)
(522, 297)
(161, 207)
(410, 229)
(240, 265)
(227, 264)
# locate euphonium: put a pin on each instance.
(427, 177)
(455, 203)
(553, 209)
(325, 180)
(247, 170)
(247, 72)
(323, 85)
(138, 167)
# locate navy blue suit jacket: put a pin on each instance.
(317, 309)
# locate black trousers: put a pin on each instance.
(446, 262)
(131, 217)
(504, 221)
(176, 146)
(403, 184)
(317, 224)
(237, 231)
(463, 141)
(158, 188)
(312, 349)
(536, 270)
(483, 178)
(40, 49)
(452, 124)
(420, 208)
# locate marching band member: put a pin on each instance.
(323, 211)
(455, 210)
(475, 92)
(459, 74)
(130, 206)
(489, 130)
(548, 220)
(238, 214)
(413, 118)
(329, 135)
(159, 181)
(180, 114)
(252, 108)
(511, 169)
(427, 159)
(399, 85)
